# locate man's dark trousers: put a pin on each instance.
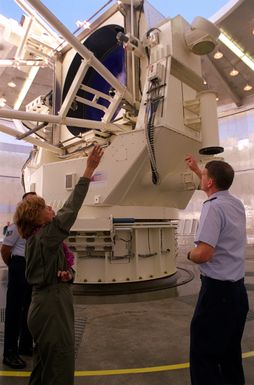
(216, 332)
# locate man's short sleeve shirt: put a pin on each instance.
(222, 225)
(14, 240)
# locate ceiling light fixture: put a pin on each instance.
(236, 50)
(234, 72)
(248, 61)
(218, 55)
(2, 101)
(248, 87)
(12, 84)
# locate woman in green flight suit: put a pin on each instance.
(51, 316)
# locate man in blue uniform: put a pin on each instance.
(17, 338)
(219, 318)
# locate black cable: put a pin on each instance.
(152, 107)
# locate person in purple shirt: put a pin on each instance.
(220, 314)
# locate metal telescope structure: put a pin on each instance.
(136, 88)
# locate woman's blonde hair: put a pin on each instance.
(27, 215)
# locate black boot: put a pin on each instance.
(14, 361)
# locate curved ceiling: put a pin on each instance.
(236, 20)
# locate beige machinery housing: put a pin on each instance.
(148, 121)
